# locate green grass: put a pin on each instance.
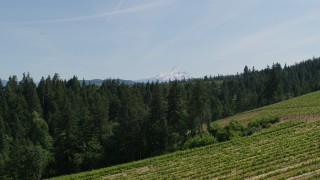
(289, 149)
(306, 107)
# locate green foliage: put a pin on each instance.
(71, 126)
(157, 126)
(26, 161)
(29, 92)
(199, 140)
(177, 114)
(218, 132)
(199, 108)
(261, 122)
(129, 137)
(216, 108)
(273, 90)
(40, 133)
(4, 155)
(233, 130)
(90, 155)
(279, 152)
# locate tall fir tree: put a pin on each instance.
(177, 114)
(30, 94)
(157, 126)
(132, 116)
(200, 112)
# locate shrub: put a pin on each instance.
(258, 123)
(199, 140)
(218, 132)
(233, 130)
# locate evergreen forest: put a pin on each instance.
(56, 127)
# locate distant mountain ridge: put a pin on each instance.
(100, 81)
(175, 74)
(97, 82)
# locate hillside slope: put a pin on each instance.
(306, 107)
(289, 149)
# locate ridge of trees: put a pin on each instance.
(62, 127)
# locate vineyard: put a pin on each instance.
(289, 150)
(306, 107)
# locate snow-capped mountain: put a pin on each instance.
(175, 74)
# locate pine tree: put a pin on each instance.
(16, 116)
(200, 109)
(29, 92)
(66, 129)
(273, 85)
(5, 141)
(132, 116)
(3, 101)
(216, 108)
(156, 127)
(98, 107)
(177, 114)
(46, 96)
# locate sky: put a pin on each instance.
(136, 39)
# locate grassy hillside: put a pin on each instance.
(289, 149)
(306, 107)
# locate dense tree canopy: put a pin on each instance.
(58, 127)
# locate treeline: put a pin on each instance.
(60, 127)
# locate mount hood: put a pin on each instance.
(175, 74)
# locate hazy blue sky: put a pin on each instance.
(133, 39)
